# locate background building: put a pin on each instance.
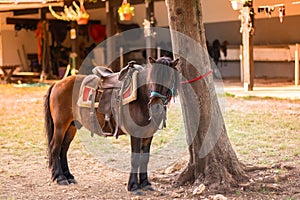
(221, 23)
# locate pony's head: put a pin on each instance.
(162, 80)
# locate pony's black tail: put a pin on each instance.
(49, 126)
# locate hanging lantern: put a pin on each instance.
(83, 16)
(281, 13)
(125, 11)
(69, 14)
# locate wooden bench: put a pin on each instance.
(8, 71)
(280, 53)
(274, 53)
(26, 76)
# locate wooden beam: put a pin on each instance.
(29, 21)
(297, 65)
(88, 5)
(26, 12)
(10, 20)
(114, 3)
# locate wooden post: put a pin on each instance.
(73, 54)
(111, 29)
(46, 61)
(241, 64)
(247, 42)
(73, 36)
(158, 52)
(150, 18)
(297, 65)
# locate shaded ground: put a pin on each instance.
(264, 132)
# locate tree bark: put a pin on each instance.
(212, 158)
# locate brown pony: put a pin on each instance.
(141, 119)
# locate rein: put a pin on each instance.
(197, 78)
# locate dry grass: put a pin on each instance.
(21, 117)
(262, 131)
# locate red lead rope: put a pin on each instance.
(198, 78)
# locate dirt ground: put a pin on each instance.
(24, 173)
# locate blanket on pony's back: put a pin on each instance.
(100, 92)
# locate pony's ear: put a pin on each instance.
(175, 62)
(151, 60)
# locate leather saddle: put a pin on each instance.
(111, 86)
(108, 79)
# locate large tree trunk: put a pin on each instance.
(212, 159)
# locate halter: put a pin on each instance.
(165, 100)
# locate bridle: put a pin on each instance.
(164, 99)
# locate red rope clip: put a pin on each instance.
(198, 78)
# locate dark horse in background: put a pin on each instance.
(147, 113)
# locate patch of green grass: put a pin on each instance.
(248, 97)
(229, 94)
(264, 133)
(238, 192)
(263, 189)
(296, 153)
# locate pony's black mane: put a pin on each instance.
(164, 73)
(164, 61)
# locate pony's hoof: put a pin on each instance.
(137, 192)
(62, 182)
(148, 188)
(72, 181)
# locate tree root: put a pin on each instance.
(268, 180)
(256, 168)
(186, 176)
(275, 166)
(226, 180)
(223, 180)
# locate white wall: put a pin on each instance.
(12, 42)
(218, 11)
(221, 11)
(3, 27)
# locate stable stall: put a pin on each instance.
(55, 36)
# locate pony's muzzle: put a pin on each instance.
(157, 112)
(155, 100)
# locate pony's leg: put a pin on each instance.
(63, 154)
(143, 175)
(133, 184)
(55, 145)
